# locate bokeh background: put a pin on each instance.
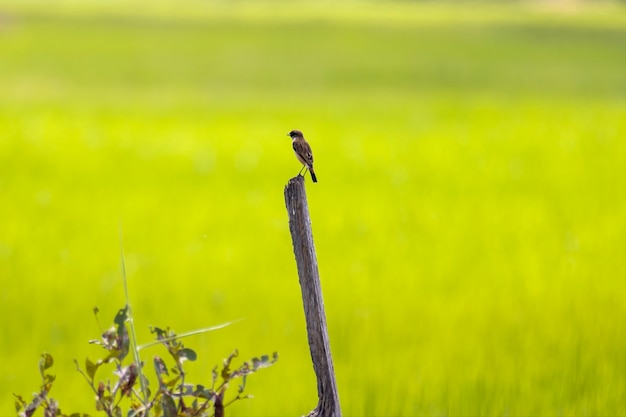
(470, 215)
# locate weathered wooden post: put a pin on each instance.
(303, 248)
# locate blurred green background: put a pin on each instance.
(470, 215)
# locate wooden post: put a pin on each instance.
(303, 248)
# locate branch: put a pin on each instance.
(304, 250)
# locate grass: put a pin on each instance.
(469, 216)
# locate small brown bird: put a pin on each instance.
(303, 152)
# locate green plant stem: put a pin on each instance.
(131, 323)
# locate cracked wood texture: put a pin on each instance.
(304, 250)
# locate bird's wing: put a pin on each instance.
(303, 149)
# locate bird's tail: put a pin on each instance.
(313, 177)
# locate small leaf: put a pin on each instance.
(121, 316)
(187, 353)
(19, 402)
(202, 392)
(263, 362)
(230, 357)
(91, 368)
(187, 389)
(168, 406)
(48, 379)
(122, 339)
(159, 332)
(171, 383)
(146, 383)
(161, 371)
(160, 367)
(45, 362)
(226, 369)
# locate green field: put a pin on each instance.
(469, 219)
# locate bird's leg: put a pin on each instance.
(303, 167)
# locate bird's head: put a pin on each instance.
(295, 134)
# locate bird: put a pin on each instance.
(303, 152)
